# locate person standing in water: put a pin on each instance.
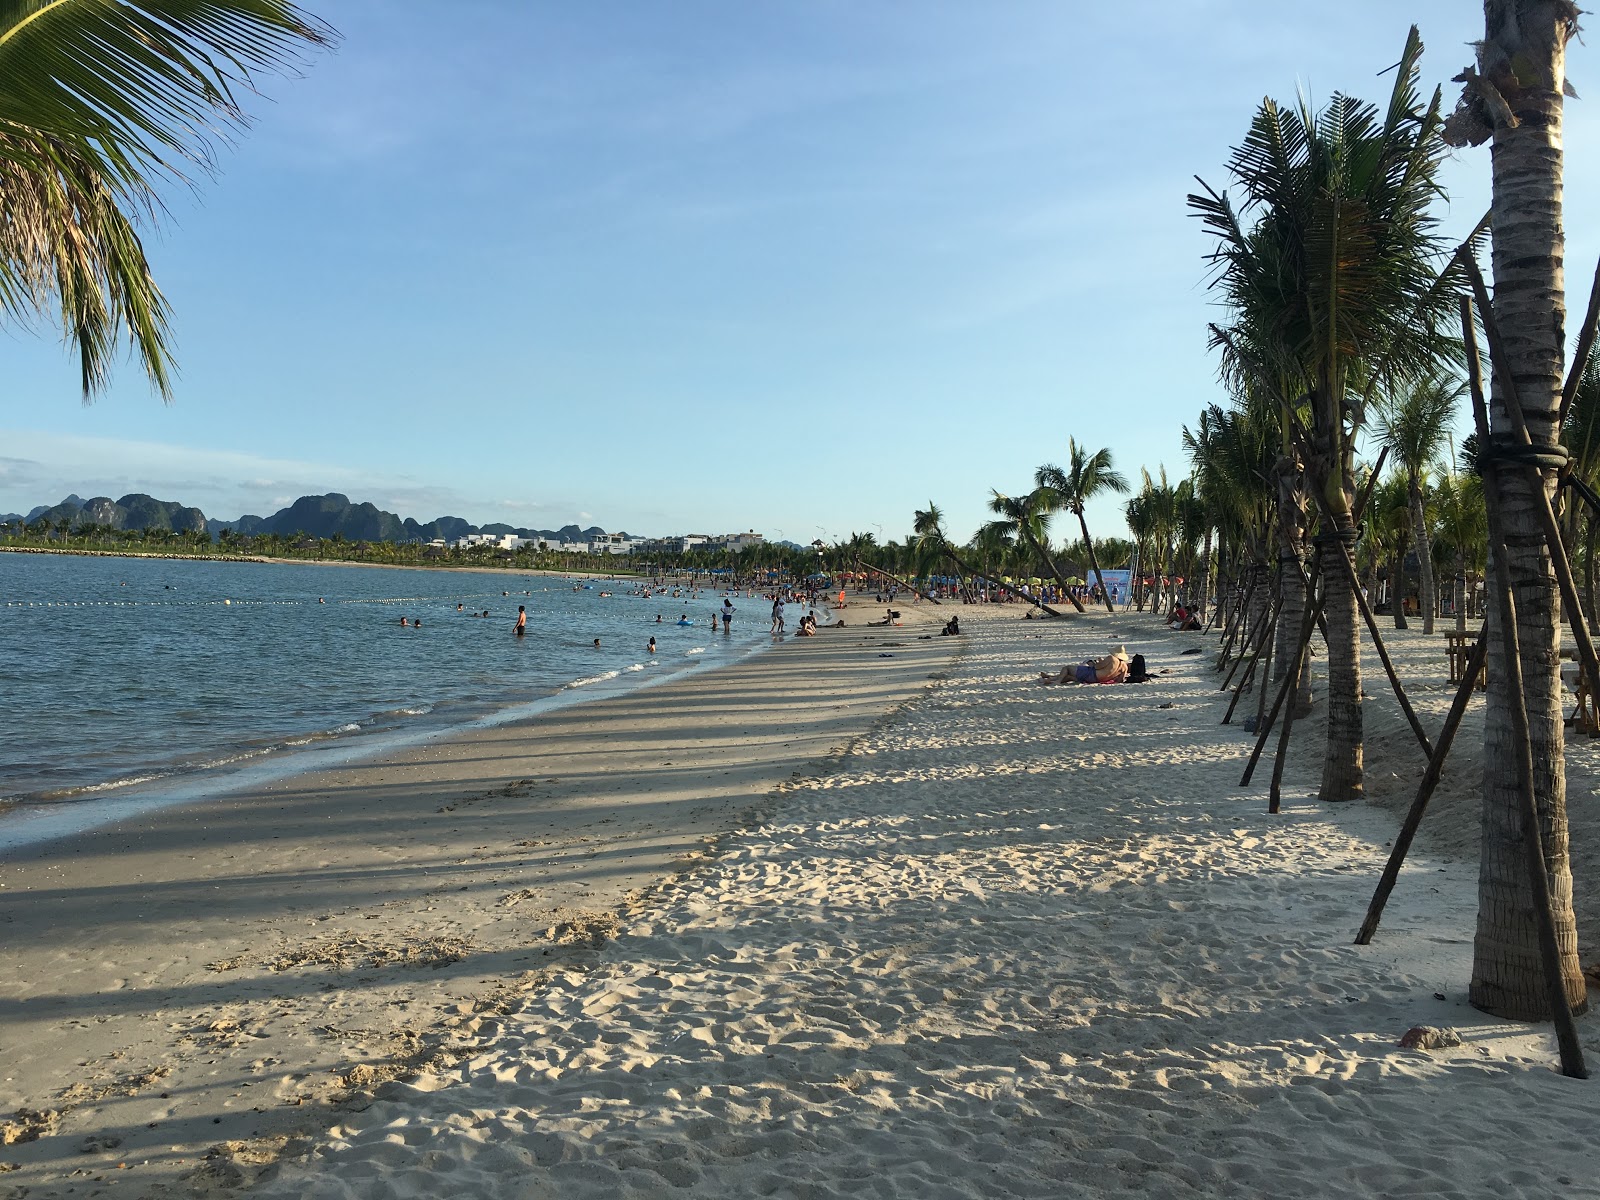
(727, 615)
(522, 620)
(652, 645)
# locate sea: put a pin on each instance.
(136, 683)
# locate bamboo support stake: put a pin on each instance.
(1543, 511)
(1290, 681)
(1430, 781)
(1263, 635)
(1263, 663)
(1383, 651)
(1236, 624)
(1275, 794)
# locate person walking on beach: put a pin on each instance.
(727, 615)
(522, 620)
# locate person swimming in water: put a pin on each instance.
(652, 645)
(404, 624)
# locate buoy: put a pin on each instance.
(227, 601)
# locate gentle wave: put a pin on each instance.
(587, 680)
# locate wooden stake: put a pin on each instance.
(1275, 794)
(1290, 680)
(1262, 635)
(1430, 780)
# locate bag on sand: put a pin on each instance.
(1136, 670)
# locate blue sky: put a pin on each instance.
(795, 266)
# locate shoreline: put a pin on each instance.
(175, 978)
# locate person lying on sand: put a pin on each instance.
(1113, 668)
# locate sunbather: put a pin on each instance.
(1113, 668)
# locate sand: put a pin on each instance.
(1013, 941)
(242, 971)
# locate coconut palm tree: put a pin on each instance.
(1463, 534)
(1086, 476)
(99, 104)
(1336, 277)
(1414, 423)
(1029, 518)
(1514, 97)
(1141, 518)
(1389, 531)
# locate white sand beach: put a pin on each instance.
(240, 971)
(1016, 941)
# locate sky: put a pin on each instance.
(799, 266)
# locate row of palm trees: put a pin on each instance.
(1347, 315)
(1343, 308)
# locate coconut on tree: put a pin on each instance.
(1085, 477)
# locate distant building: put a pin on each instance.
(492, 541)
(739, 541)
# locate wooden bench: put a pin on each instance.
(1458, 647)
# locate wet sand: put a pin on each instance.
(240, 972)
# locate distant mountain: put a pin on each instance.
(74, 500)
(8, 518)
(310, 516)
(134, 511)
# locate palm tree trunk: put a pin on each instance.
(1397, 589)
(1094, 564)
(1050, 565)
(1342, 757)
(1419, 538)
(1529, 306)
(1291, 580)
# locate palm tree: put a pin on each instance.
(1514, 96)
(1389, 530)
(1087, 476)
(1415, 424)
(1029, 518)
(1463, 533)
(100, 102)
(1336, 277)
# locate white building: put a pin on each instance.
(740, 541)
(494, 541)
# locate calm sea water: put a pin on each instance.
(151, 676)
